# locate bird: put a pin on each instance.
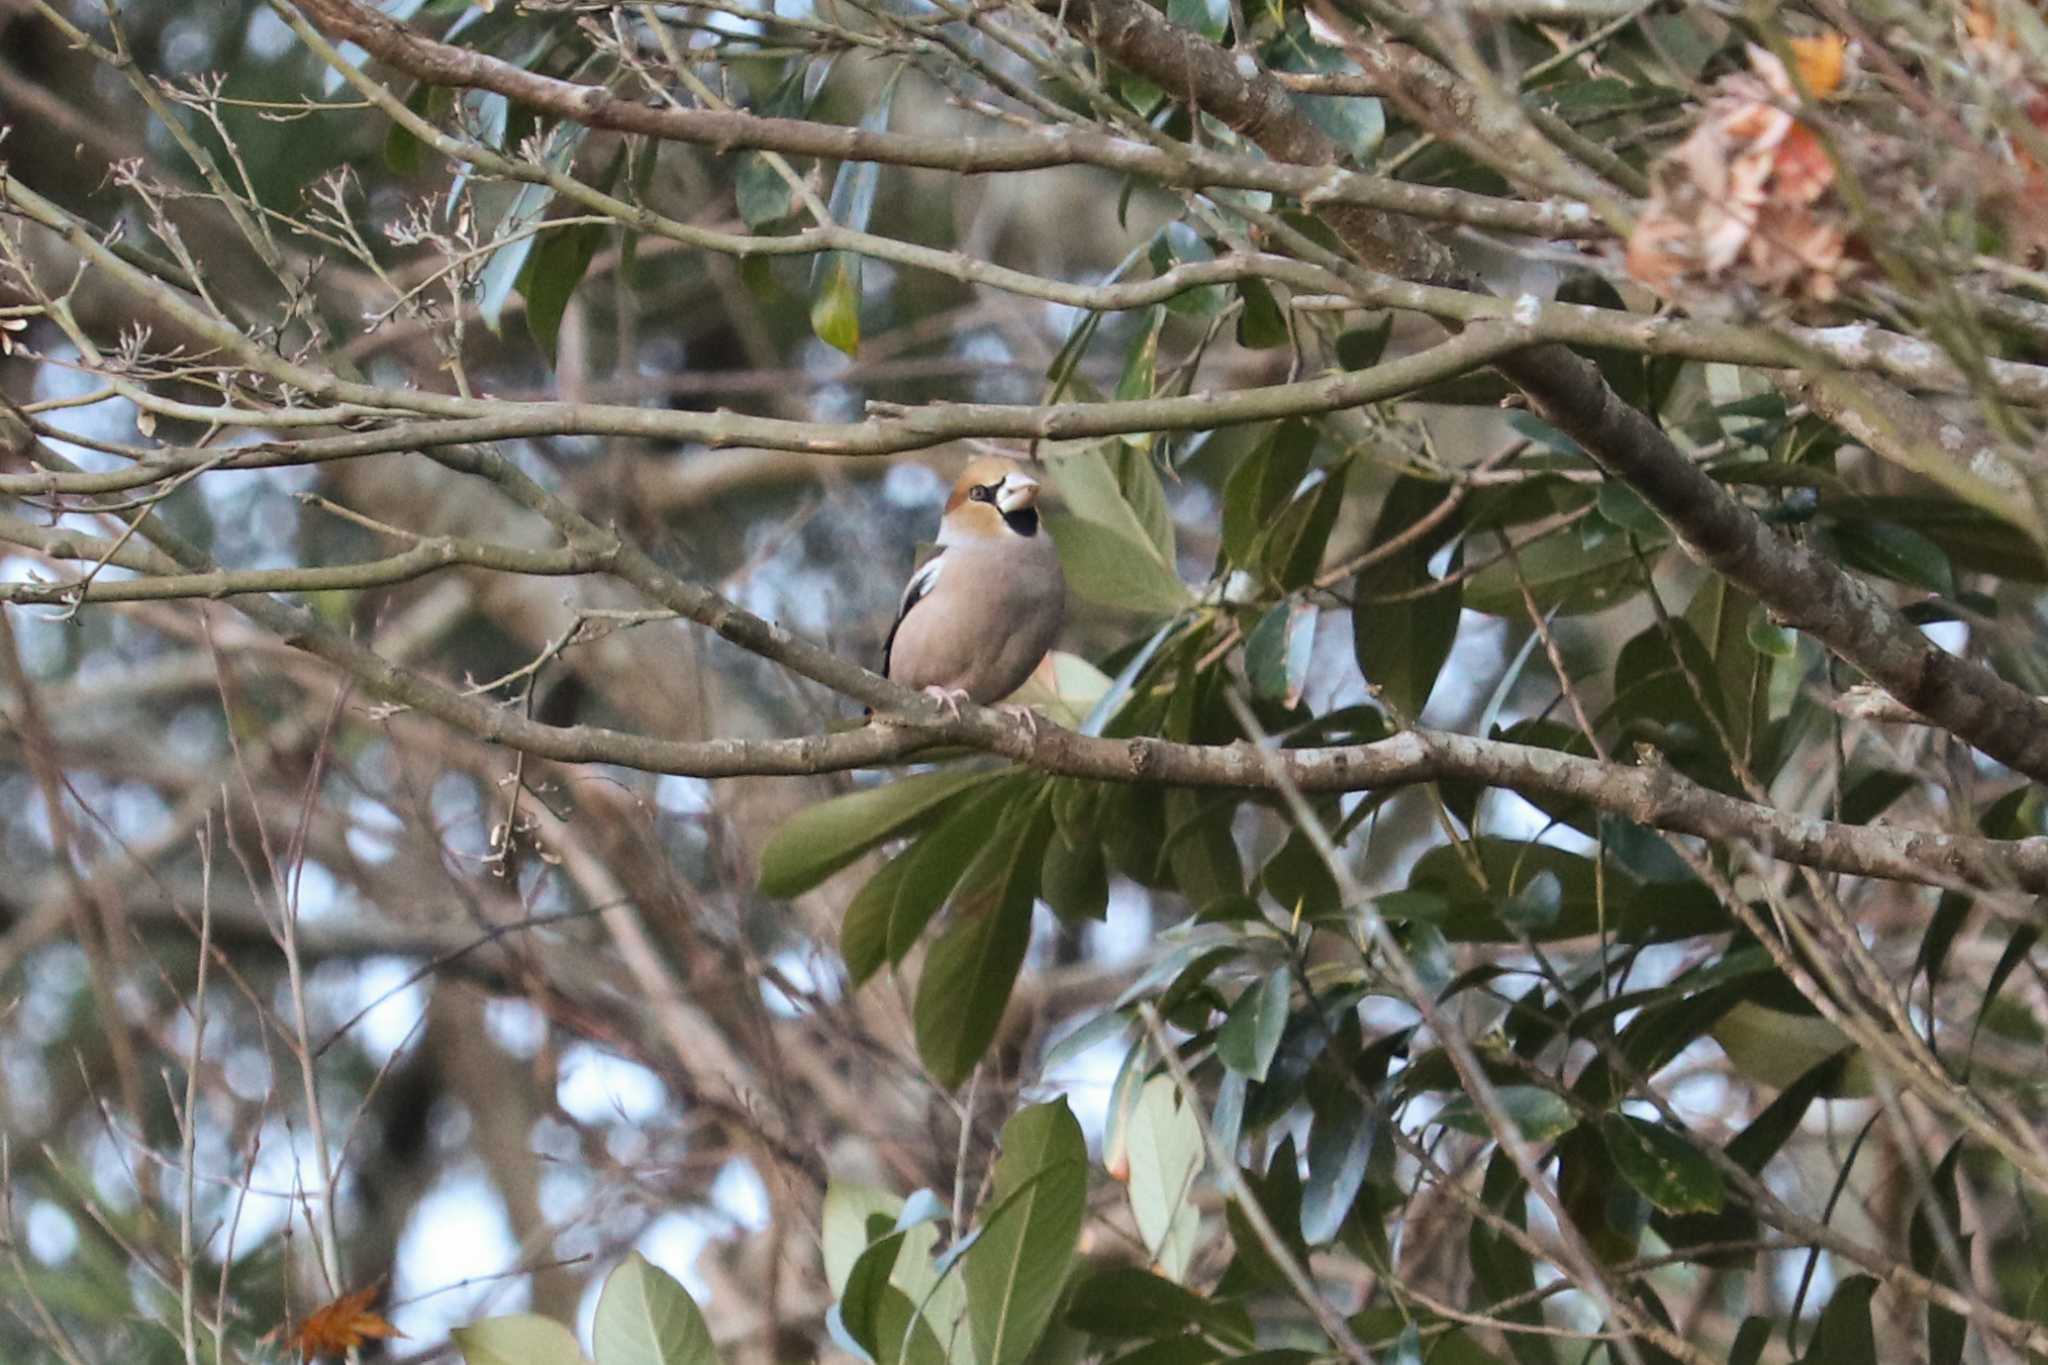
(979, 614)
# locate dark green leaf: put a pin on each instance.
(1895, 552)
(1663, 1166)
(1750, 1340)
(1276, 653)
(1340, 1145)
(1562, 576)
(813, 844)
(1251, 1033)
(1937, 1242)
(1262, 483)
(1018, 1264)
(1538, 1114)
(1401, 637)
(1845, 1335)
(962, 847)
(1535, 907)
(1361, 347)
(1299, 880)
(1261, 324)
(1075, 879)
(551, 275)
(973, 964)
(1127, 1303)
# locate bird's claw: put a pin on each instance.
(1025, 714)
(948, 697)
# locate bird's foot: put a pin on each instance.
(948, 697)
(1025, 714)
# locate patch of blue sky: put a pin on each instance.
(516, 1026)
(110, 419)
(373, 829)
(392, 1003)
(455, 1261)
(596, 1086)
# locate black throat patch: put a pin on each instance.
(1024, 521)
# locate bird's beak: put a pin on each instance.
(1017, 494)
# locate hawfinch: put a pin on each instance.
(980, 613)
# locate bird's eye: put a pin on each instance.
(982, 492)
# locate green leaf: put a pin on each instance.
(835, 301)
(1206, 17)
(1262, 483)
(835, 275)
(1634, 912)
(1075, 878)
(1936, 1242)
(1845, 1335)
(1401, 638)
(867, 1286)
(1118, 489)
(971, 968)
(518, 1339)
(1562, 575)
(1750, 1340)
(1892, 551)
(1294, 547)
(844, 1226)
(1340, 1147)
(502, 271)
(1141, 365)
(1018, 1264)
(1663, 1166)
(1535, 907)
(1261, 324)
(1174, 244)
(1277, 652)
(645, 1318)
(1251, 1034)
(551, 275)
(1278, 1193)
(1538, 1114)
(1298, 879)
(1769, 638)
(864, 929)
(1361, 347)
(763, 196)
(905, 1337)
(1163, 1144)
(1126, 1303)
(813, 844)
(1109, 568)
(951, 853)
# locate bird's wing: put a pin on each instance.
(916, 590)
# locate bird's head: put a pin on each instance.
(993, 498)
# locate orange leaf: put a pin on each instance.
(347, 1322)
(1801, 171)
(1819, 63)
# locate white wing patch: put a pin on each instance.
(920, 587)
